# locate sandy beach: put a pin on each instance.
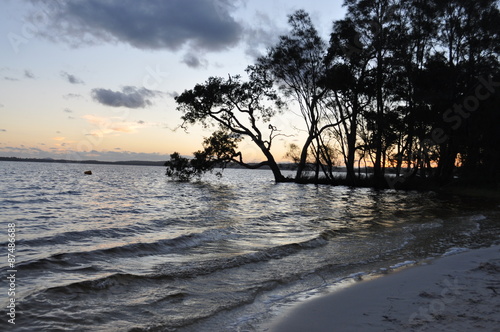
(459, 292)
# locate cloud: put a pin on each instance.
(67, 110)
(66, 152)
(3, 130)
(111, 125)
(263, 34)
(29, 74)
(71, 78)
(22, 151)
(72, 96)
(130, 97)
(120, 155)
(194, 61)
(173, 94)
(59, 138)
(153, 24)
(8, 78)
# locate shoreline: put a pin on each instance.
(459, 292)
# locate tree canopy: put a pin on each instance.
(240, 108)
(409, 87)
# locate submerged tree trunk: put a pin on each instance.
(446, 164)
(278, 177)
(303, 158)
(351, 146)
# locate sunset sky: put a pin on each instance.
(95, 79)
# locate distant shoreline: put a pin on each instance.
(284, 166)
(64, 161)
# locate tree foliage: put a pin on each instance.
(412, 85)
(218, 150)
(297, 65)
(244, 109)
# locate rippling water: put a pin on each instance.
(125, 249)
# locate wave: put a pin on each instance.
(25, 201)
(95, 284)
(171, 271)
(76, 259)
(72, 236)
(138, 249)
(188, 270)
(477, 217)
(62, 262)
(331, 233)
(70, 192)
(429, 225)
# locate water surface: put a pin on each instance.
(125, 249)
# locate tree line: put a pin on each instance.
(411, 86)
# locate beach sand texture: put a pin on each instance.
(459, 292)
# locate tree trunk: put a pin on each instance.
(447, 161)
(351, 146)
(271, 162)
(377, 167)
(303, 158)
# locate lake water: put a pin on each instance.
(125, 249)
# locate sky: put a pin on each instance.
(96, 79)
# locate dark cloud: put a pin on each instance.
(67, 110)
(152, 24)
(3, 130)
(130, 97)
(194, 61)
(71, 78)
(29, 74)
(8, 78)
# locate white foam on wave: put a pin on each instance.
(477, 217)
(437, 223)
(402, 264)
(357, 275)
(454, 251)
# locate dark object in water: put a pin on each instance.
(88, 172)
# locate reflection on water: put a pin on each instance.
(126, 248)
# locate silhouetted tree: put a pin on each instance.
(466, 53)
(351, 89)
(182, 169)
(411, 43)
(298, 68)
(412, 83)
(237, 107)
(218, 150)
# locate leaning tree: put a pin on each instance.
(240, 110)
